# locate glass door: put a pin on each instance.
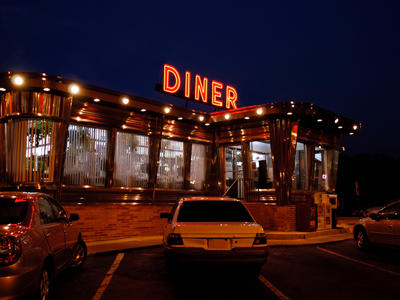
(233, 171)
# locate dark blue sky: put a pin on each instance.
(343, 56)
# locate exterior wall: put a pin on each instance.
(111, 221)
(273, 217)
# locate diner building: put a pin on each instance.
(119, 160)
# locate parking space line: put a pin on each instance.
(108, 277)
(272, 288)
(358, 261)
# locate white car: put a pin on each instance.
(213, 230)
(381, 228)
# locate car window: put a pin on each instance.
(47, 214)
(213, 211)
(57, 208)
(390, 212)
(13, 210)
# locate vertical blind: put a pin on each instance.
(170, 167)
(31, 150)
(86, 155)
(198, 166)
(131, 160)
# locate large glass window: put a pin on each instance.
(323, 172)
(198, 166)
(86, 154)
(30, 150)
(170, 166)
(300, 168)
(131, 160)
(261, 164)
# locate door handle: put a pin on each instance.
(48, 234)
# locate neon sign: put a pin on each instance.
(220, 96)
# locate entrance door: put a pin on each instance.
(233, 171)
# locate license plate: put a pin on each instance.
(219, 244)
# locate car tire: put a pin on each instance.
(362, 240)
(79, 256)
(44, 285)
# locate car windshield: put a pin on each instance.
(213, 211)
(13, 210)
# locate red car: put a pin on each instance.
(37, 241)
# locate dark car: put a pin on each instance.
(37, 241)
(381, 228)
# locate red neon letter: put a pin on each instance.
(231, 97)
(216, 94)
(187, 84)
(167, 71)
(201, 87)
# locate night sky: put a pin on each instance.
(343, 56)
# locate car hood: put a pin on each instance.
(216, 229)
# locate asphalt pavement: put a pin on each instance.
(343, 231)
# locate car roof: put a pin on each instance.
(207, 199)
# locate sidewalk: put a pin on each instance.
(343, 232)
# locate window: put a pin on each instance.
(170, 167)
(30, 150)
(300, 168)
(213, 211)
(85, 159)
(13, 210)
(46, 212)
(198, 166)
(131, 160)
(261, 164)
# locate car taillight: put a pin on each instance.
(260, 239)
(10, 250)
(174, 239)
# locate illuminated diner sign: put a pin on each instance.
(212, 93)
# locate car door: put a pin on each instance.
(383, 230)
(53, 231)
(71, 231)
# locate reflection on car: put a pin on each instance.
(381, 228)
(213, 230)
(37, 241)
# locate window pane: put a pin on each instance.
(322, 169)
(85, 159)
(261, 164)
(32, 146)
(300, 168)
(131, 160)
(198, 167)
(170, 168)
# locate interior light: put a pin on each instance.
(46, 89)
(351, 133)
(336, 120)
(201, 118)
(96, 100)
(16, 79)
(247, 118)
(207, 124)
(340, 127)
(289, 113)
(227, 116)
(167, 110)
(125, 100)
(180, 118)
(143, 110)
(259, 111)
(319, 120)
(73, 88)
(355, 127)
(2, 89)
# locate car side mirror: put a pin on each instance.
(166, 216)
(374, 216)
(73, 217)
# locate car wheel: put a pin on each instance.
(362, 239)
(44, 285)
(79, 256)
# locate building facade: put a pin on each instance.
(119, 160)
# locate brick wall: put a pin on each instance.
(111, 221)
(272, 217)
